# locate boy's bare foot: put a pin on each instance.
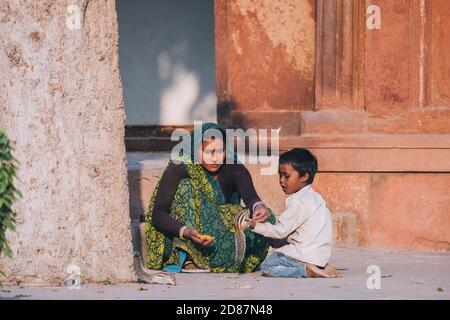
(313, 272)
(332, 272)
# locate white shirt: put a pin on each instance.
(307, 222)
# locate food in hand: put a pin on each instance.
(205, 237)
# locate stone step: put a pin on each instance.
(140, 144)
(152, 137)
(145, 169)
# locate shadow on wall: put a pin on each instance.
(166, 55)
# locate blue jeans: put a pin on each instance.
(278, 264)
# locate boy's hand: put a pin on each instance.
(261, 213)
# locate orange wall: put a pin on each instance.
(373, 105)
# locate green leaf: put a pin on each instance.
(7, 251)
(8, 192)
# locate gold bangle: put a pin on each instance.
(181, 232)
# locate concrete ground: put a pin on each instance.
(404, 275)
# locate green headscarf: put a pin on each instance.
(208, 130)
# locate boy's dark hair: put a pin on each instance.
(302, 160)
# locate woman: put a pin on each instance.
(195, 198)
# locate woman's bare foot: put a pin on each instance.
(332, 272)
(314, 272)
(189, 265)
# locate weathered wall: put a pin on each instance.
(265, 62)
(61, 104)
(372, 103)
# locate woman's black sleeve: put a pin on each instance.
(168, 186)
(244, 184)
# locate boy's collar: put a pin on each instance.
(308, 186)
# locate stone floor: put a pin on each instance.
(404, 275)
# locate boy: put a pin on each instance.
(306, 222)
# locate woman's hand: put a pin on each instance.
(261, 213)
(196, 237)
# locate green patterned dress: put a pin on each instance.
(200, 204)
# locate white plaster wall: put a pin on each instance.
(167, 61)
